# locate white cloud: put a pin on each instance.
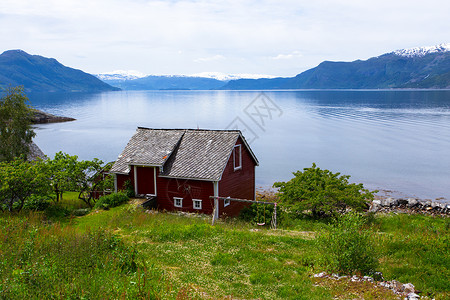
(291, 55)
(172, 37)
(210, 58)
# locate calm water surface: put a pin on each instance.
(395, 140)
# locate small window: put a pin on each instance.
(177, 202)
(237, 157)
(226, 202)
(197, 203)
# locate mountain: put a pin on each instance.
(166, 82)
(425, 67)
(41, 74)
(133, 80)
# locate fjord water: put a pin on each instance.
(391, 140)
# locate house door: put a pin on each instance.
(145, 180)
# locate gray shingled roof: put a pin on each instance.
(195, 154)
(147, 147)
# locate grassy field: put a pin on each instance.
(128, 253)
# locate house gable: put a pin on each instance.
(202, 155)
(238, 182)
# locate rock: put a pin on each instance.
(412, 296)
(354, 278)
(40, 117)
(412, 202)
(397, 286)
(435, 205)
(442, 205)
(375, 206)
(409, 288)
(368, 278)
(320, 275)
(427, 203)
(376, 202)
(393, 201)
(402, 201)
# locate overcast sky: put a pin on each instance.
(280, 38)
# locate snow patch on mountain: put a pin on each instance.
(120, 75)
(130, 75)
(228, 77)
(422, 51)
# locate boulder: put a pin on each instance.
(412, 202)
(402, 201)
(435, 205)
(375, 206)
(409, 288)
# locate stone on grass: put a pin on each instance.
(409, 288)
(412, 296)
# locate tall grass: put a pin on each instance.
(126, 252)
(42, 261)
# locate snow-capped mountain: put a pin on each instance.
(228, 77)
(422, 51)
(120, 75)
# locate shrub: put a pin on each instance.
(347, 247)
(37, 203)
(129, 189)
(111, 200)
(322, 193)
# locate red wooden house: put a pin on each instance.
(182, 168)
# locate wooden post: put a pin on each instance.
(274, 219)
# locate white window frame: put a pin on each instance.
(226, 202)
(175, 199)
(237, 165)
(194, 201)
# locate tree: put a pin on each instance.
(93, 179)
(19, 179)
(322, 193)
(61, 172)
(15, 124)
(66, 173)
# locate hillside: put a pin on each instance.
(126, 252)
(427, 67)
(41, 74)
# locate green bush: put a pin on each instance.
(111, 200)
(322, 193)
(348, 247)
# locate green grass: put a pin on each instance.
(417, 249)
(127, 253)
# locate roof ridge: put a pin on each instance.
(191, 129)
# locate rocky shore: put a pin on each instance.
(41, 117)
(410, 205)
